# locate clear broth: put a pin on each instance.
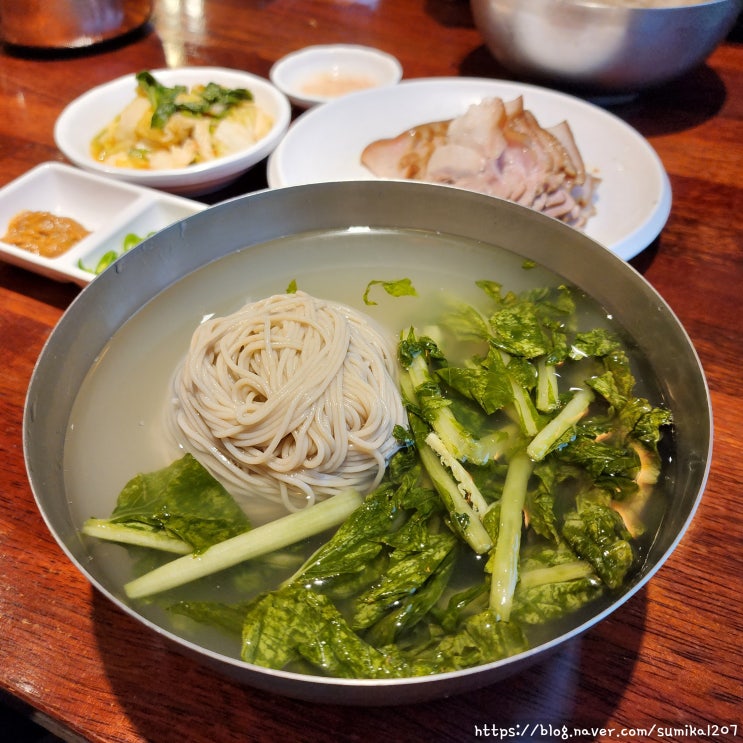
(117, 429)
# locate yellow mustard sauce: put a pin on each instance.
(44, 233)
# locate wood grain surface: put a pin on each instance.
(669, 657)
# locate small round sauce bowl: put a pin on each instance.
(318, 74)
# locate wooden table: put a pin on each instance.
(670, 657)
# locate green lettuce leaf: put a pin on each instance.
(479, 640)
(597, 533)
(296, 623)
(184, 500)
(406, 575)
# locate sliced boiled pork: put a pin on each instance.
(496, 148)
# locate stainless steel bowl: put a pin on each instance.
(170, 265)
(69, 24)
(601, 45)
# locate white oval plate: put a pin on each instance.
(634, 196)
(332, 64)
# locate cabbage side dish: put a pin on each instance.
(165, 128)
(518, 492)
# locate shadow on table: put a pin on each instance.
(18, 726)
(167, 696)
(675, 106)
(40, 289)
(642, 261)
(450, 13)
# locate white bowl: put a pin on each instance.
(82, 119)
(107, 209)
(318, 74)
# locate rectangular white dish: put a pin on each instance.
(108, 209)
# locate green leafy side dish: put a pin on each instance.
(211, 100)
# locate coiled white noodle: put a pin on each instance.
(290, 399)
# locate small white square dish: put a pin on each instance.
(108, 210)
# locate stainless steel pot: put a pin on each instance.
(603, 46)
(252, 229)
(69, 24)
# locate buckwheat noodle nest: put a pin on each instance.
(291, 399)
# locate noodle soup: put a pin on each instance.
(129, 387)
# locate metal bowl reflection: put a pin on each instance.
(70, 24)
(600, 45)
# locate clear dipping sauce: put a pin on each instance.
(332, 84)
